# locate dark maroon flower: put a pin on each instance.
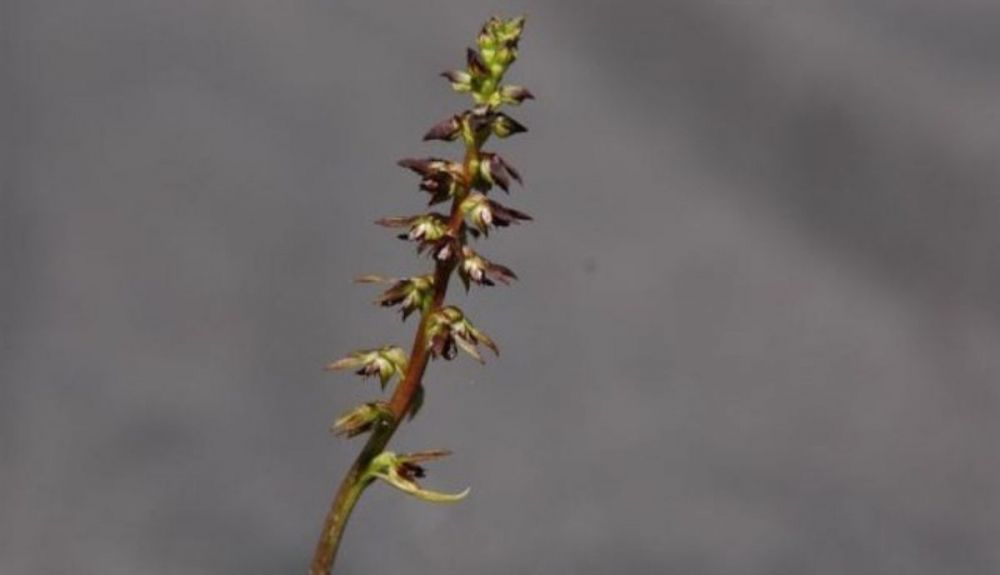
(495, 170)
(445, 130)
(440, 178)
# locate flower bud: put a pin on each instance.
(460, 81)
(402, 472)
(385, 362)
(499, 32)
(487, 37)
(486, 213)
(504, 126)
(514, 95)
(362, 419)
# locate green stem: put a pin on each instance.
(333, 528)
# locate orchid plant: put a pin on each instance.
(443, 329)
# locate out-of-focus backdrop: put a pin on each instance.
(757, 332)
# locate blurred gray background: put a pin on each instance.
(757, 330)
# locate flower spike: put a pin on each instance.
(463, 183)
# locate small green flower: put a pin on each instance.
(423, 228)
(460, 81)
(410, 294)
(448, 330)
(362, 419)
(385, 362)
(486, 213)
(477, 269)
(402, 472)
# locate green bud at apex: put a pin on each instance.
(465, 183)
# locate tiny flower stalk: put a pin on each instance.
(443, 330)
